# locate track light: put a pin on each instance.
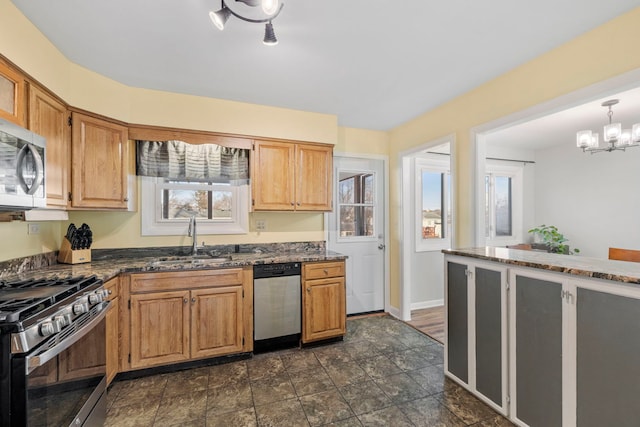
(220, 17)
(269, 35)
(271, 8)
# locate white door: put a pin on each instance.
(356, 229)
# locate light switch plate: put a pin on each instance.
(34, 228)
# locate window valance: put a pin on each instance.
(202, 162)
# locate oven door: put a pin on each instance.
(64, 382)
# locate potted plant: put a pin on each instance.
(553, 240)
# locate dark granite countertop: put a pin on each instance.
(618, 271)
(107, 264)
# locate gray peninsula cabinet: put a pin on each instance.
(476, 328)
(573, 354)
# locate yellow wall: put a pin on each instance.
(362, 141)
(602, 53)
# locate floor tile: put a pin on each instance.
(264, 365)
(463, 404)
(429, 412)
(400, 388)
(497, 421)
(410, 360)
(346, 373)
(136, 396)
(183, 408)
(434, 354)
(272, 389)
(234, 397)
(416, 340)
(192, 379)
(311, 381)
(361, 349)
(227, 374)
(300, 360)
(138, 415)
(326, 407)
(242, 418)
(284, 413)
(379, 366)
(365, 397)
(388, 344)
(431, 378)
(391, 416)
(349, 422)
(332, 354)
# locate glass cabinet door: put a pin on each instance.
(11, 95)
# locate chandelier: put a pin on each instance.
(270, 9)
(615, 137)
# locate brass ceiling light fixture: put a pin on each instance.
(270, 9)
(615, 137)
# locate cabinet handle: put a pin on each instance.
(326, 271)
(298, 203)
(109, 291)
(292, 204)
(308, 289)
(126, 199)
(186, 300)
(193, 300)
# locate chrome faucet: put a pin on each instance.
(192, 233)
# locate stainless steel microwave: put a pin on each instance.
(22, 168)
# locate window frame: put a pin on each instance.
(516, 173)
(152, 223)
(340, 204)
(441, 166)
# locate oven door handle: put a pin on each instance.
(39, 359)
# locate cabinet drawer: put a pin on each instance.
(188, 279)
(112, 288)
(321, 270)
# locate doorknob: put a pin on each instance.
(381, 246)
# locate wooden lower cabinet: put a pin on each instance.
(323, 301)
(159, 328)
(112, 321)
(88, 362)
(181, 316)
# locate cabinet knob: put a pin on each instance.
(326, 271)
(292, 204)
(308, 289)
(186, 300)
(298, 203)
(126, 199)
(193, 300)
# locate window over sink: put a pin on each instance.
(167, 206)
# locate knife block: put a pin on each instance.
(66, 255)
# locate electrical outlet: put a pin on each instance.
(261, 225)
(34, 228)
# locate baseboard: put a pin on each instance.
(395, 312)
(427, 304)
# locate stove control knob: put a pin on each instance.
(79, 308)
(63, 320)
(47, 329)
(95, 298)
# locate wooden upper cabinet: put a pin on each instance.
(12, 95)
(49, 117)
(100, 163)
(291, 176)
(272, 176)
(313, 177)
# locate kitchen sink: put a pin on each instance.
(192, 260)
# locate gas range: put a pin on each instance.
(33, 310)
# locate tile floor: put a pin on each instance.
(384, 373)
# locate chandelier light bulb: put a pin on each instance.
(270, 6)
(612, 132)
(625, 138)
(635, 132)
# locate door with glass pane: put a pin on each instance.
(356, 229)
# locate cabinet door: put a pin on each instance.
(272, 176)
(457, 357)
(216, 321)
(86, 358)
(49, 117)
(313, 177)
(536, 349)
(11, 95)
(100, 156)
(324, 309)
(607, 349)
(159, 328)
(490, 342)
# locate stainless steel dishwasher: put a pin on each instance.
(276, 306)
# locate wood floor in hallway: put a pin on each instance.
(430, 321)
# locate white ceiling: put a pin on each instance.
(374, 64)
(561, 127)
